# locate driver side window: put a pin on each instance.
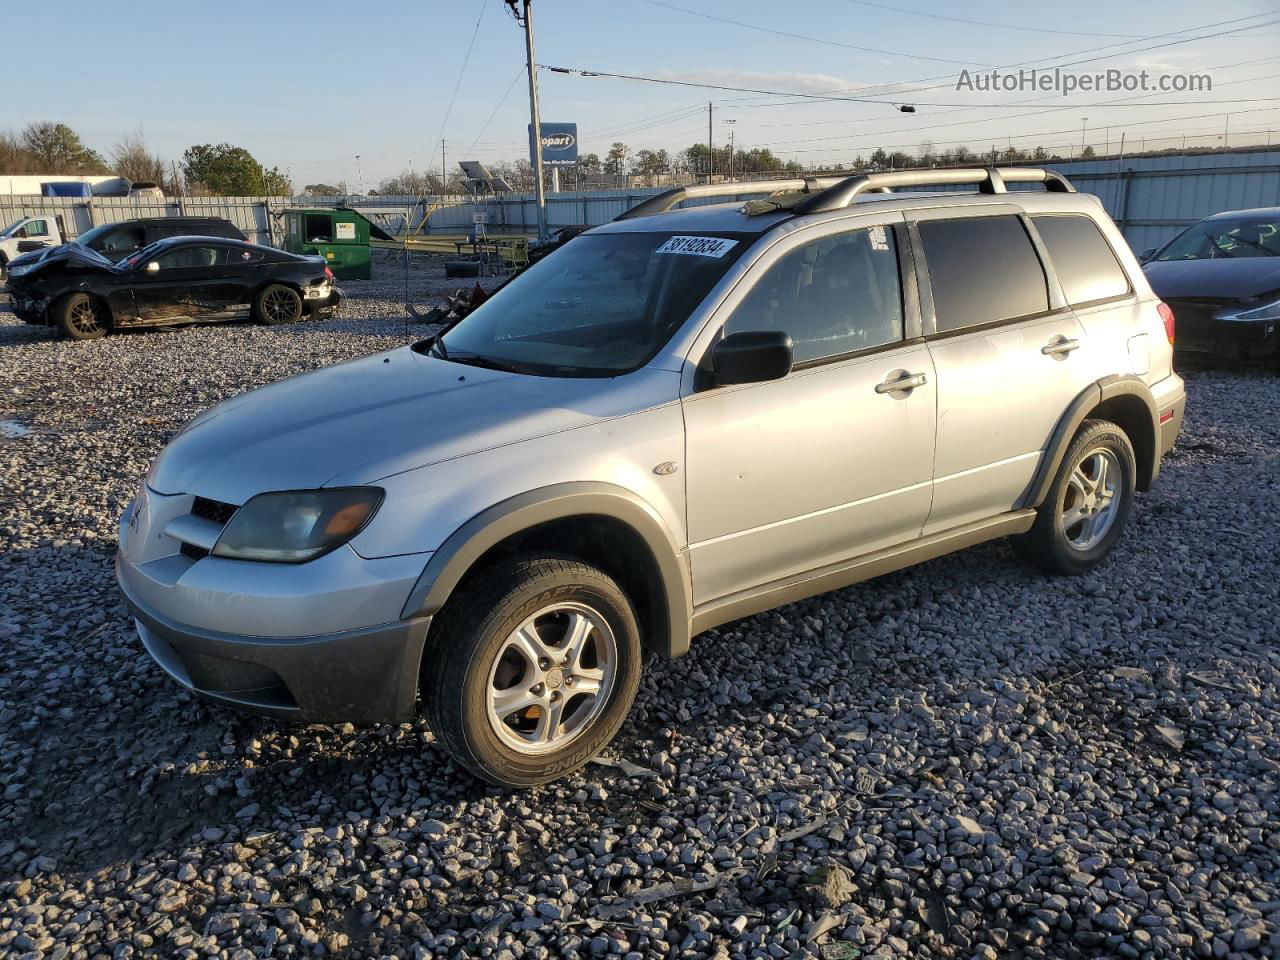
(834, 296)
(193, 256)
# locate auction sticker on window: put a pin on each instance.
(698, 246)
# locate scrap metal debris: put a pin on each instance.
(668, 891)
(626, 766)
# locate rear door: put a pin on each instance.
(1007, 352)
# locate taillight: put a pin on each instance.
(329, 273)
(1166, 314)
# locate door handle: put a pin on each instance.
(1060, 347)
(906, 382)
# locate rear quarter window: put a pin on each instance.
(982, 270)
(1085, 264)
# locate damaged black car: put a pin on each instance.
(174, 281)
(1221, 277)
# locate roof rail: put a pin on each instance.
(988, 179)
(732, 188)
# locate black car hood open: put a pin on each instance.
(1220, 279)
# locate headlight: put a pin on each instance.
(297, 525)
(1269, 311)
(18, 270)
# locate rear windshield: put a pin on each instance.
(1226, 238)
(602, 305)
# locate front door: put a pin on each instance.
(829, 461)
(189, 281)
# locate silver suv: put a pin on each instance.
(680, 418)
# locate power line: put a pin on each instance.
(511, 86)
(802, 36)
(458, 83)
(1074, 105)
(990, 23)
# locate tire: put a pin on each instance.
(1077, 527)
(474, 655)
(81, 317)
(277, 304)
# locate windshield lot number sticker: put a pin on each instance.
(698, 246)
(879, 240)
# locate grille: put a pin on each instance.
(213, 510)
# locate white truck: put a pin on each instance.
(30, 234)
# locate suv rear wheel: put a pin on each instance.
(1083, 517)
(532, 669)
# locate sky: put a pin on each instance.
(306, 86)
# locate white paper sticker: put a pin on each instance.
(698, 246)
(879, 241)
(346, 231)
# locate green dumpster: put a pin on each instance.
(339, 235)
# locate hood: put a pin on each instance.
(367, 419)
(1220, 279)
(71, 254)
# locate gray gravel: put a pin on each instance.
(966, 759)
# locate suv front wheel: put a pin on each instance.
(531, 669)
(1083, 517)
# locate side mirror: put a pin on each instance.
(752, 356)
(1146, 254)
(152, 267)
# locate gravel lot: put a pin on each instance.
(966, 759)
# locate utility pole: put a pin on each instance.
(535, 121)
(1226, 130)
(730, 124)
(711, 150)
(1084, 125)
(359, 177)
(444, 169)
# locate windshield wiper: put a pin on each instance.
(489, 363)
(437, 348)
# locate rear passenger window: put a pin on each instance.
(833, 296)
(1081, 257)
(982, 270)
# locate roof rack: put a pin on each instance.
(836, 193)
(663, 202)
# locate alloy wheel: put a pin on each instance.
(551, 678)
(279, 306)
(84, 318)
(1090, 502)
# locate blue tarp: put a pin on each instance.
(66, 189)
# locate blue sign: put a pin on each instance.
(559, 144)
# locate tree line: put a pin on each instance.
(206, 169)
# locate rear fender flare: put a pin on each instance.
(466, 545)
(1080, 410)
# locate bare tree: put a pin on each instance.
(131, 159)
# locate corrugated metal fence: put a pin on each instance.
(1151, 198)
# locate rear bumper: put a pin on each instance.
(362, 676)
(1171, 405)
(325, 307)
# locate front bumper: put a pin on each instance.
(1200, 329)
(358, 676)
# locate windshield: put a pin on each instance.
(134, 259)
(1226, 238)
(602, 305)
(87, 238)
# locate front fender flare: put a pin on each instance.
(491, 526)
